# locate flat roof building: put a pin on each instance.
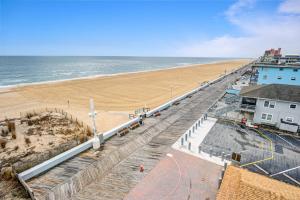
(278, 74)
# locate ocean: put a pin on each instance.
(20, 70)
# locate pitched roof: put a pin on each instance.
(240, 184)
(273, 91)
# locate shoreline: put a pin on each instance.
(7, 88)
(115, 96)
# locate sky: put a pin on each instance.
(195, 28)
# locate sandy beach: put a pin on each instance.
(115, 96)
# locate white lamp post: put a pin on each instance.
(92, 114)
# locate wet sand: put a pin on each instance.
(114, 96)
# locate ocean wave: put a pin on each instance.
(54, 69)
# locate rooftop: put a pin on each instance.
(242, 184)
(273, 91)
(274, 65)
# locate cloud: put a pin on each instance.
(280, 29)
(238, 8)
(290, 6)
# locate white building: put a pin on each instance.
(275, 104)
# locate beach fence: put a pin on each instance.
(38, 169)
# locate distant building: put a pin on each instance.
(271, 56)
(276, 105)
(290, 59)
(273, 52)
(278, 74)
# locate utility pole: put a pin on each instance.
(97, 139)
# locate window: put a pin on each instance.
(266, 104)
(293, 106)
(295, 70)
(293, 78)
(281, 69)
(269, 104)
(265, 116)
(269, 117)
(272, 104)
(289, 119)
(279, 77)
(265, 77)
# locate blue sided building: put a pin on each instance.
(278, 74)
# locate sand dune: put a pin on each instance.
(115, 96)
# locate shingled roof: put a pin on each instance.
(241, 184)
(273, 91)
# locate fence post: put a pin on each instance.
(222, 173)
(223, 156)
(219, 182)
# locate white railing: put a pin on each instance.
(46, 165)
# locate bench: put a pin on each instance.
(134, 126)
(176, 103)
(156, 114)
(123, 132)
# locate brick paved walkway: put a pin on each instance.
(179, 177)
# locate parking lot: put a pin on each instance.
(273, 155)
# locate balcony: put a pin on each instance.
(247, 107)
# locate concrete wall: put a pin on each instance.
(269, 75)
(280, 111)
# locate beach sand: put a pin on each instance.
(114, 96)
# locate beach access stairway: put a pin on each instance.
(114, 171)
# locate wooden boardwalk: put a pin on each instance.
(113, 172)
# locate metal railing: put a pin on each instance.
(247, 107)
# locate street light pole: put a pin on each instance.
(97, 140)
